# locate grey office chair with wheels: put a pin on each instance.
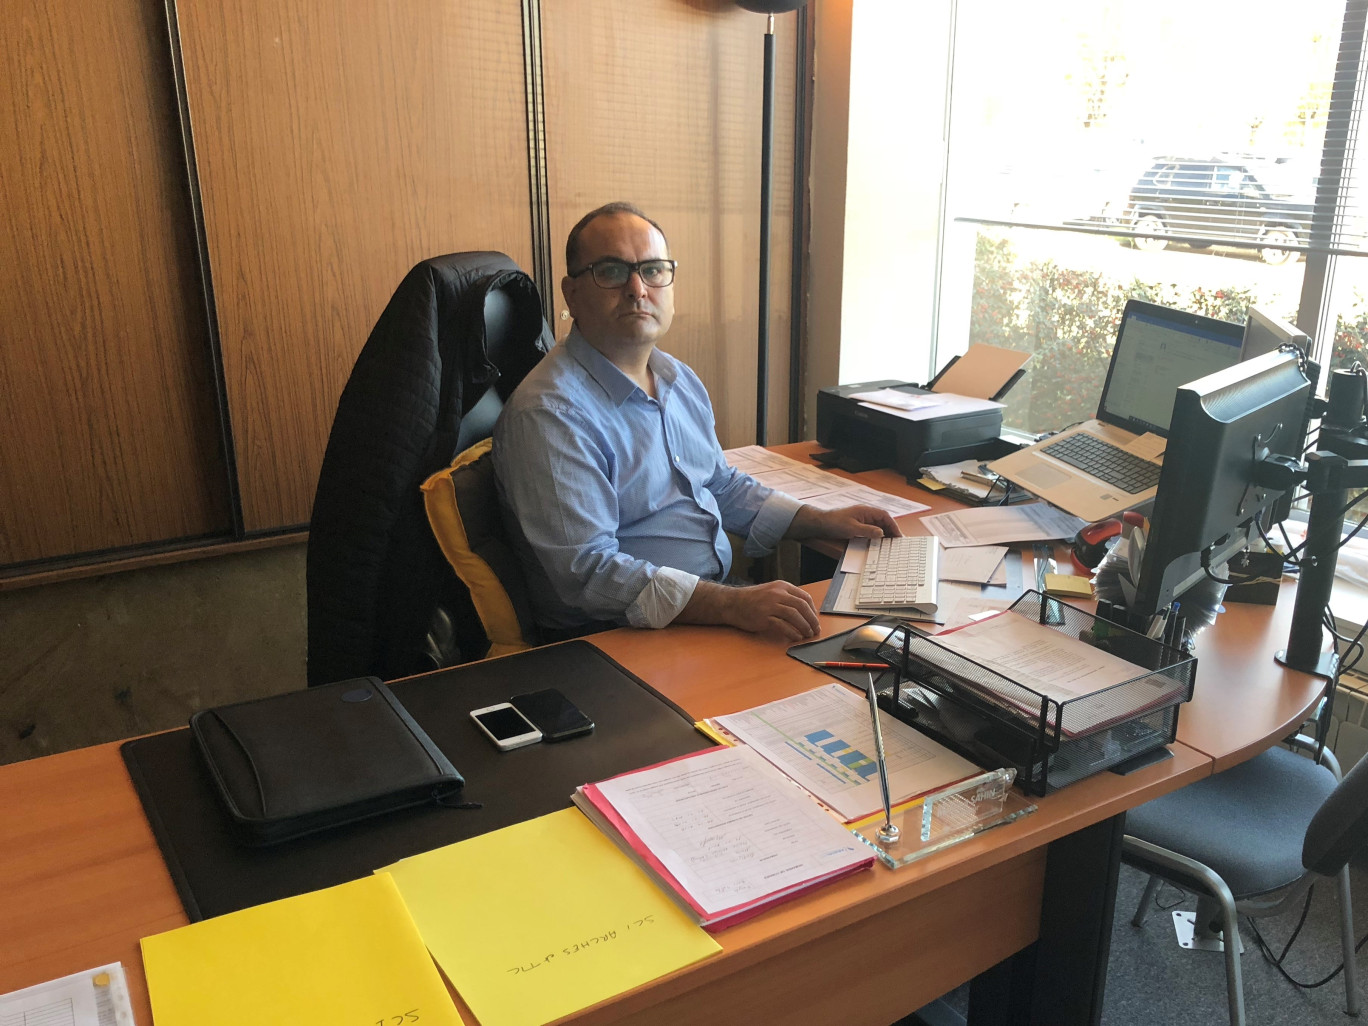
(1252, 840)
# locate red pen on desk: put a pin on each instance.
(852, 666)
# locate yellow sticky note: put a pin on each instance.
(346, 954)
(543, 918)
(1068, 585)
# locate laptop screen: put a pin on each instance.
(1158, 350)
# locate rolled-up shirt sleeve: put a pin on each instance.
(664, 596)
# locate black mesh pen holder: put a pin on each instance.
(1050, 742)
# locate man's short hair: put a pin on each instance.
(616, 207)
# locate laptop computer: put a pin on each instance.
(1101, 467)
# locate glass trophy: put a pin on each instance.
(940, 819)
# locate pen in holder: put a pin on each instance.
(940, 819)
(888, 833)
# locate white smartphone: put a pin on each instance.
(505, 726)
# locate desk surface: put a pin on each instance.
(1243, 698)
(83, 880)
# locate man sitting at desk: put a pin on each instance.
(617, 493)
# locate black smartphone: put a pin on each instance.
(553, 714)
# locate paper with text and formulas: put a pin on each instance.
(729, 828)
(999, 525)
(812, 486)
(540, 919)
(345, 954)
(1088, 687)
(824, 739)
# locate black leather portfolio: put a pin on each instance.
(214, 873)
(316, 758)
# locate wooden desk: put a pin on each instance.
(1243, 701)
(83, 881)
(1242, 692)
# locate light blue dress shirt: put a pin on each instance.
(618, 503)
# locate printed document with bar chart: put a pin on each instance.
(824, 740)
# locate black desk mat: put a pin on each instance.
(214, 874)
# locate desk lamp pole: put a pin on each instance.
(770, 8)
(766, 208)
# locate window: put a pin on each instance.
(1165, 151)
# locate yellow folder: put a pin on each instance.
(543, 918)
(346, 954)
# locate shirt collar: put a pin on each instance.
(618, 385)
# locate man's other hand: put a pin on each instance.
(775, 606)
(839, 524)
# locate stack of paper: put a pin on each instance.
(346, 954)
(538, 920)
(1087, 687)
(814, 487)
(724, 832)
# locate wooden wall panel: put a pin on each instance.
(106, 399)
(659, 102)
(339, 142)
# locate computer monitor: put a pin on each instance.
(1266, 333)
(1223, 426)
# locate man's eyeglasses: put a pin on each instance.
(611, 273)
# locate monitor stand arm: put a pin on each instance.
(1329, 476)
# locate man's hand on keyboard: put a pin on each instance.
(773, 606)
(843, 523)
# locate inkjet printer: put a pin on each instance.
(861, 436)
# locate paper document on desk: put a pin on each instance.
(345, 954)
(540, 919)
(813, 486)
(755, 459)
(97, 997)
(925, 406)
(824, 740)
(998, 525)
(724, 831)
(1079, 676)
(853, 494)
(974, 564)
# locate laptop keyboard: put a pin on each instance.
(1114, 465)
(899, 572)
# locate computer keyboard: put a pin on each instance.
(1105, 461)
(900, 573)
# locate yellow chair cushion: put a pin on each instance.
(463, 509)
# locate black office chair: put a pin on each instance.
(454, 341)
(1251, 840)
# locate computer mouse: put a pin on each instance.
(865, 641)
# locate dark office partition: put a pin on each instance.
(215, 874)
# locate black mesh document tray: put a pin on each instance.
(999, 722)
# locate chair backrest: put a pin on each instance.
(462, 503)
(1340, 826)
(457, 337)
